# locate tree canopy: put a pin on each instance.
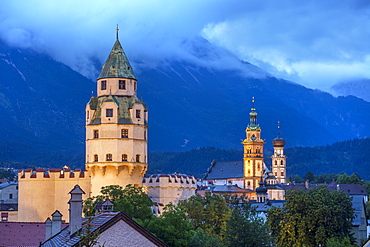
(311, 217)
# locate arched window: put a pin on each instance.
(282, 174)
(281, 163)
(249, 183)
(96, 158)
(138, 158)
(109, 157)
(276, 163)
(249, 172)
(258, 167)
(124, 157)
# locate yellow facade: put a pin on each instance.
(41, 192)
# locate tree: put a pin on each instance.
(311, 217)
(173, 227)
(246, 228)
(131, 200)
(209, 212)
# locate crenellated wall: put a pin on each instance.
(41, 192)
(166, 188)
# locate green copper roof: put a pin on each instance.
(117, 64)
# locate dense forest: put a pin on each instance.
(341, 157)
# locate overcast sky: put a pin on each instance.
(313, 42)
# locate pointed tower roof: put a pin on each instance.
(253, 118)
(117, 64)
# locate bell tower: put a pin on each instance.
(279, 158)
(116, 126)
(253, 152)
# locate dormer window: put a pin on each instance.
(121, 84)
(109, 113)
(138, 114)
(103, 85)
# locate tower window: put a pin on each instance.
(121, 84)
(282, 174)
(96, 134)
(138, 114)
(282, 163)
(144, 134)
(10, 196)
(109, 157)
(95, 158)
(124, 157)
(138, 158)
(135, 86)
(124, 133)
(109, 112)
(103, 85)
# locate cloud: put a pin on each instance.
(313, 42)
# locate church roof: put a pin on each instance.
(117, 64)
(226, 169)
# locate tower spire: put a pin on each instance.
(117, 29)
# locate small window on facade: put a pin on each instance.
(4, 216)
(281, 163)
(109, 157)
(124, 157)
(138, 113)
(249, 183)
(275, 162)
(109, 112)
(138, 158)
(96, 134)
(135, 86)
(249, 172)
(10, 196)
(282, 174)
(275, 174)
(124, 133)
(87, 114)
(103, 85)
(121, 84)
(96, 158)
(144, 134)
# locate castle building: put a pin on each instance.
(116, 126)
(247, 173)
(116, 150)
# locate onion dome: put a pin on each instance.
(261, 189)
(278, 141)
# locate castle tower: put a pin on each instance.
(253, 152)
(116, 126)
(279, 159)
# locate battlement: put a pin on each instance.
(175, 180)
(41, 173)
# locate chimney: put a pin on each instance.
(56, 222)
(48, 225)
(75, 209)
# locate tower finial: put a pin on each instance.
(117, 32)
(278, 129)
(252, 103)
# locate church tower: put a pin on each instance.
(116, 126)
(253, 152)
(279, 159)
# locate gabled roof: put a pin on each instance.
(226, 169)
(117, 64)
(101, 223)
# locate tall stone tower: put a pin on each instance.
(279, 158)
(116, 126)
(253, 152)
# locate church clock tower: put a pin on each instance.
(116, 126)
(253, 152)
